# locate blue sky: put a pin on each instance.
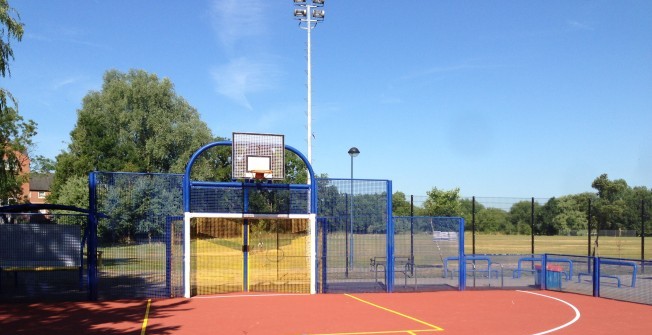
(498, 98)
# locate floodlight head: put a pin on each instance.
(318, 2)
(300, 13)
(299, 1)
(354, 152)
(318, 14)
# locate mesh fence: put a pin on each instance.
(265, 199)
(353, 220)
(430, 244)
(139, 235)
(624, 279)
(277, 259)
(42, 256)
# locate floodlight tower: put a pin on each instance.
(309, 14)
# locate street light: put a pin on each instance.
(353, 152)
(309, 15)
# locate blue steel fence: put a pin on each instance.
(354, 218)
(131, 246)
(138, 237)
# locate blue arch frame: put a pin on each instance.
(187, 183)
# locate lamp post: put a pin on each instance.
(309, 15)
(353, 152)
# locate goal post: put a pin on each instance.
(252, 233)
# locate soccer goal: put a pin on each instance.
(254, 233)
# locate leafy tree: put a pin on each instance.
(466, 206)
(15, 133)
(443, 203)
(610, 205)
(570, 217)
(10, 28)
(136, 123)
(491, 220)
(520, 216)
(400, 206)
(42, 165)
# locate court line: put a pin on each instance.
(250, 295)
(577, 312)
(407, 331)
(143, 329)
(435, 328)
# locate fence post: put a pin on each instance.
(389, 269)
(532, 225)
(473, 224)
(642, 231)
(91, 248)
(588, 225)
(461, 256)
(412, 228)
(596, 276)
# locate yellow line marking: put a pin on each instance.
(397, 313)
(144, 327)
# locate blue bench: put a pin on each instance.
(617, 263)
(474, 258)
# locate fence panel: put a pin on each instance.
(428, 244)
(626, 279)
(352, 244)
(43, 256)
(139, 235)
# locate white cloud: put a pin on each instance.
(241, 77)
(579, 25)
(66, 82)
(234, 20)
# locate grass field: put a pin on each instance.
(617, 247)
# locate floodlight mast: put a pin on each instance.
(309, 15)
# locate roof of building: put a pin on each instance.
(40, 182)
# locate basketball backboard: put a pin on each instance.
(259, 156)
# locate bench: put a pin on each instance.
(40, 247)
(617, 278)
(404, 265)
(519, 268)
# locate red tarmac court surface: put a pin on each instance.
(450, 312)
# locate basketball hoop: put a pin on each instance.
(260, 174)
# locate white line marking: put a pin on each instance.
(577, 312)
(250, 295)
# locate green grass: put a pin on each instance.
(618, 247)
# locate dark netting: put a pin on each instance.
(139, 235)
(216, 200)
(260, 199)
(626, 279)
(430, 246)
(43, 256)
(353, 221)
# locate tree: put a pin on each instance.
(520, 216)
(136, 123)
(610, 205)
(443, 203)
(10, 28)
(42, 165)
(400, 206)
(15, 133)
(491, 220)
